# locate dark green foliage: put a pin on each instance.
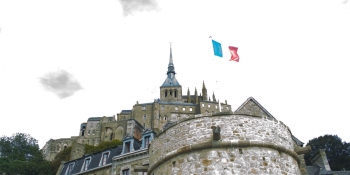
(102, 146)
(20, 155)
(61, 156)
(338, 152)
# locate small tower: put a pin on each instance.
(196, 96)
(171, 89)
(188, 96)
(214, 99)
(204, 92)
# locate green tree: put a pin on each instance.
(102, 146)
(338, 152)
(20, 155)
(61, 156)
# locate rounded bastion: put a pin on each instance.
(247, 145)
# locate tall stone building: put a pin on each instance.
(186, 134)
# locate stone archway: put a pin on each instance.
(119, 133)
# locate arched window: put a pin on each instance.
(171, 92)
(175, 93)
(111, 137)
(166, 93)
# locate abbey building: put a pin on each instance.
(185, 134)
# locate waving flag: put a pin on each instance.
(234, 55)
(217, 48)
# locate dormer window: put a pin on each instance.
(69, 169)
(104, 158)
(127, 147)
(147, 141)
(86, 164)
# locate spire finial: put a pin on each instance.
(171, 54)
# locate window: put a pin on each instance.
(222, 107)
(208, 106)
(93, 132)
(144, 116)
(143, 108)
(171, 92)
(227, 108)
(176, 108)
(175, 93)
(86, 164)
(88, 132)
(123, 117)
(144, 125)
(162, 107)
(166, 93)
(216, 106)
(126, 172)
(190, 109)
(104, 159)
(127, 147)
(69, 169)
(184, 109)
(147, 141)
(202, 105)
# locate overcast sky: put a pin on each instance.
(62, 62)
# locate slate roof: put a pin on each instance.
(170, 82)
(97, 118)
(299, 143)
(125, 112)
(95, 160)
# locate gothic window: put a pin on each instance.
(111, 136)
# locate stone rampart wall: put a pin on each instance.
(233, 127)
(229, 161)
(247, 138)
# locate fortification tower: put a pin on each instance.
(248, 141)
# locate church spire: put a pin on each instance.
(171, 68)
